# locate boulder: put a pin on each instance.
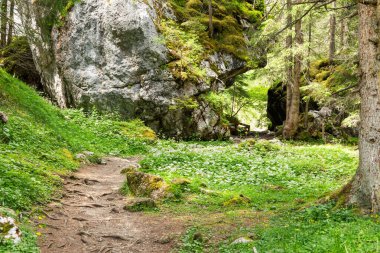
(88, 156)
(351, 125)
(145, 185)
(81, 157)
(107, 55)
(237, 200)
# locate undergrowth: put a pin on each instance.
(281, 180)
(39, 143)
(273, 175)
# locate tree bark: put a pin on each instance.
(11, 22)
(289, 58)
(332, 47)
(310, 33)
(365, 188)
(4, 22)
(344, 34)
(291, 124)
(210, 26)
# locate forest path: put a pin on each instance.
(90, 217)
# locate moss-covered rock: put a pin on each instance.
(137, 59)
(228, 16)
(237, 200)
(145, 185)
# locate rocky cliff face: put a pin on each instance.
(107, 55)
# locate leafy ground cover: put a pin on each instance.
(273, 175)
(281, 181)
(264, 190)
(39, 144)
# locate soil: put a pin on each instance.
(90, 217)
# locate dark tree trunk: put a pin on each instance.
(332, 47)
(365, 188)
(289, 58)
(4, 23)
(211, 26)
(344, 34)
(11, 22)
(310, 33)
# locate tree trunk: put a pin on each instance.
(365, 188)
(291, 124)
(332, 47)
(210, 26)
(11, 22)
(310, 33)
(4, 19)
(289, 58)
(344, 34)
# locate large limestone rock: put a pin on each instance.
(107, 55)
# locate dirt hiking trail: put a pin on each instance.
(90, 217)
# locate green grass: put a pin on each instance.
(274, 176)
(321, 229)
(40, 141)
(283, 181)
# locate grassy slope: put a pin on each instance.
(40, 141)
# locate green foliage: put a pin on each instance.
(192, 242)
(320, 229)
(41, 142)
(245, 101)
(27, 245)
(55, 13)
(332, 86)
(271, 174)
(231, 101)
(228, 33)
(125, 189)
(279, 179)
(185, 103)
(183, 43)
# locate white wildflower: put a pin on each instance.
(9, 229)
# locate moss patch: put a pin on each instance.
(227, 15)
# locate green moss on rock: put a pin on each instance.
(237, 200)
(227, 18)
(145, 185)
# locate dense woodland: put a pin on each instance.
(295, 169)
